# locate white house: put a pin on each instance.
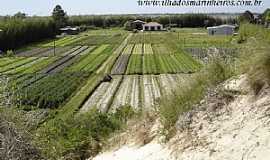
(70, 30)
(152, 26)
(221, 30)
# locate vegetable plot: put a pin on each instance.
(135, 64)
(139, 92)
(128, 94)
(52, 90)
(91, 61)
(103, 95)
(147, 49)
(121, 64)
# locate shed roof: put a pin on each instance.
(222, 26)
(69, 28)
(139, 21)
(152, 24)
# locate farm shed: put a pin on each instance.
(70, 30)
(138, 24)
(221, 30)
(152, 26)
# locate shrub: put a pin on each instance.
(10, 53)
(255, 59)
(80, 136)
(191, 93)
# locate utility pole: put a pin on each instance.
(54, 39)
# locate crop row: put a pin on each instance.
(90, 62)
(139, 92)
(9, 60)
(31, 67)
(138, 49)
(162, 63)
(69, 40)
(52, 90)
(121, 64)
(101, 39)
(135, 64)
(32, 51)
(128, 49)
(17, 63)
(147, 49)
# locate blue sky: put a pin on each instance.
(76, 7)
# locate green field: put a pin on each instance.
(102, 70)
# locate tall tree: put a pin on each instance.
(59, 16)
(20, 15)
(247, 16)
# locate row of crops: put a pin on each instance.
(85, 39)
(143, 59)
(141, 92)
(48, 82)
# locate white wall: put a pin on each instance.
(221, 31)
(149, 28)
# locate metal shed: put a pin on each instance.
(221, 30)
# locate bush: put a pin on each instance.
(255, 58)
(191, 93)
(80, 136)
(10, 53)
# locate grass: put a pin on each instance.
(255, 62)
(80, 137)
(252, 59)
(191, 93)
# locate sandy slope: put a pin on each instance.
(235, 128)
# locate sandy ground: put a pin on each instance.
(235, 128)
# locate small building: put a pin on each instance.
(221, 30)
(152, 26)
(70, 30)
(138, 24)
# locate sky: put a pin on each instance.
(83, 7)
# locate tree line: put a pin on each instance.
(18, 30)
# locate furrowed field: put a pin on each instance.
(106, 69)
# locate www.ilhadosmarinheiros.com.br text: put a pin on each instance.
(216, 3)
